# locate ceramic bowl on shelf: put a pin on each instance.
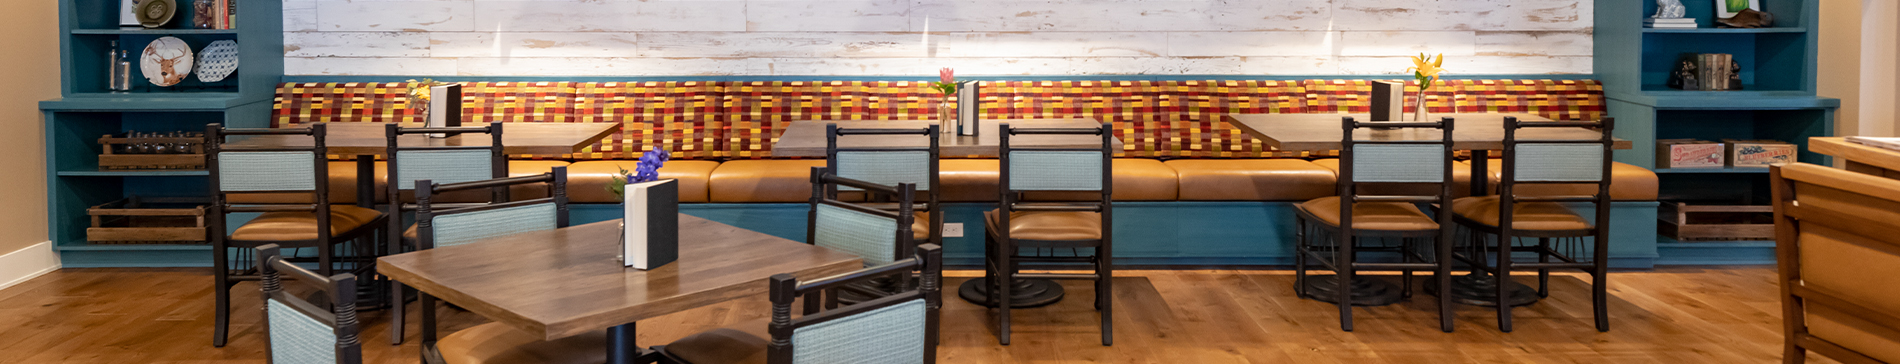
(217, 61)
(166, 61)
(155, 13)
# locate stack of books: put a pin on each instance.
(1672, 23)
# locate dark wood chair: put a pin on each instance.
(1082, 228)
(1352, 215)
(300, 331)
(1560, 232)
(890, 166)
(878, 236)
(898, 328)
(1837, 242)
(441, 164)
(495, 342)
(315, 224)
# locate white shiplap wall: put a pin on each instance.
(915, 37)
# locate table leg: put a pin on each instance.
(1480, 172)
(1025, 293)
(372, 296)
(621, 348)
(1480, 288)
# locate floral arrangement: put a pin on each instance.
(946, 82)
(647, 170)
(419, 90)
(1426, 69)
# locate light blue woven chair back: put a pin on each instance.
(889, 335)
(868, 236)
(463, 228)
(886, 168)
(1398, 163)
(267, 171)
(1555, 162)
(443, 166)
(1055, 171)
(296, 338)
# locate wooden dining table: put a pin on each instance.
(1857, 157)
(806, 138)
(566, 282)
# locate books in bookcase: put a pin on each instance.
(651, 235)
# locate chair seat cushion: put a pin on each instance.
(1460, 187)
(587, 181)
(1383, 216)
(1049, 225)
(1135, 180)
(300, 226)
(1252, 179)
(494, 343)
(920, 226)
(763, 180)
(743, 343)
(1524, 216)
(1627, 183)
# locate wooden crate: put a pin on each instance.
(113, 157)
(134, 220)
(1716, 222)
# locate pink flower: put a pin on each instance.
(947, 75)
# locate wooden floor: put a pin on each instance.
(1675, 316)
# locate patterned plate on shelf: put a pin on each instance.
(166, 61)
(217, 61)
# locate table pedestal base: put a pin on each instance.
(1481, 289)
(1366, 291)
(1025, 293)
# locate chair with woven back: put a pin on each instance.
(902, 327)
(877, 235)
(294, 223)
(1048, 227)
(890, 166)
(1560, 231)
(1837, 242)
(1412, 172)
(300, 331)
(441, 164)
(495, 342)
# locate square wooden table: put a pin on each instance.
(565, 282)
(806, 138)
(1858, 157)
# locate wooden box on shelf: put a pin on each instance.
(166, 152)
(1687, 222)
(136, 220)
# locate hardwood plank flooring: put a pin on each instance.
(1673, 316)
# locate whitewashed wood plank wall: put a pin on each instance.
(915, 37)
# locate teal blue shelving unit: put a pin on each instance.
(1777, 102)
(87, 110)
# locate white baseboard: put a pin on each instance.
(26, 264)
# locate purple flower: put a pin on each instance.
(648, 169)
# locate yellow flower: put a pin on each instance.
(1426, 69)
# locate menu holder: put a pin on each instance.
(652, 224)
(969, 103)
(441, 115)
(1388, 101)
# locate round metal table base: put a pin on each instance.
(1366, 291)
(1025, 293)
(1482, 290)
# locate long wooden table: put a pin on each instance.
(806, 138)
(516, 138)
(565, 282)
(1859, 158)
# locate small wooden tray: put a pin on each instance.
(108, 159)
(1687, 222)
(131, 221)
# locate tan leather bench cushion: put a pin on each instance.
(297, 226)
(587, 180)
(1627, 183)
(1135, 180)
(516, 192)
(1387, 216)
(494, 343)
(1524, 216)
(1460, 176)
(1048, 225)
(968, 180)
(763, 180)
(1252, 179)
(742, 343)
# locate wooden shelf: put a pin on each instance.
(154, 31)
(1727, 30)
(1743, 170)
(135, 173)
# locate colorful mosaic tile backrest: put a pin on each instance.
(742, 119)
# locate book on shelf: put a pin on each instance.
(1674, 23)
(1877, 142)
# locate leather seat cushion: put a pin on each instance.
(1384, 216)
(1460, 186)
(494, 343)
(1252, 179)
(342, 188)
(1048, 225)
(968, 180)
(1135, 180)
(1524, 216)
(786, 180)
(920, 226)
(743, 343)
(1627, 183)
(298, 226)
(587, 180)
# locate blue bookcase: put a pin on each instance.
(1777, 102)
(87, 110)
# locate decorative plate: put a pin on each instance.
(155, 13)
(166, 61)
(217, 61)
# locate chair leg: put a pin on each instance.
(1443, 276)
(1299, 258)
(396, 311)
(1342, 262)
(1600, 282)
(1504, 282)
(1006, 277)
(222, 312)
(1105, 298)
(1405, 256)
(1543, 274)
